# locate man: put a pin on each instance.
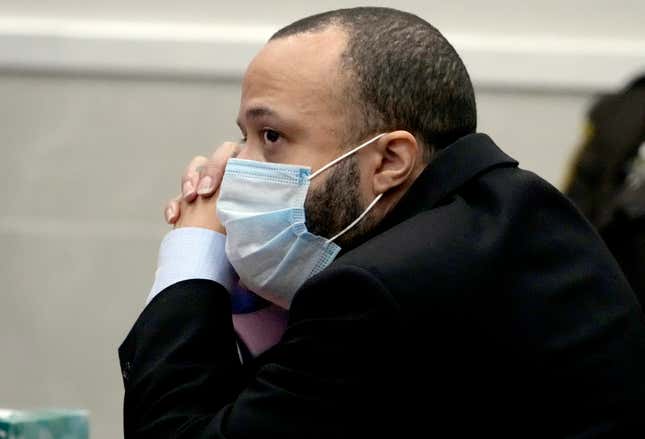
(607, 182)
(433, 287)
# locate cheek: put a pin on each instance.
(316, 185)
(302, 156)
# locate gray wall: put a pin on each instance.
(90, 155)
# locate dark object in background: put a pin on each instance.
(608, 177)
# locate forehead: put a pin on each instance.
(296, 73)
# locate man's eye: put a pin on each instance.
(271, 136)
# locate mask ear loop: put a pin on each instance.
(332, 163)
(344, 156)
(357, 220)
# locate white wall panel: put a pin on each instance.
(102, 103)
(614, 19)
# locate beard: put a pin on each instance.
(336, 203)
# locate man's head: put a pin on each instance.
(333, 80)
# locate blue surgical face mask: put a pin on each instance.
(261, 205)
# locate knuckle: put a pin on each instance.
(229, 145)
(195, 162)
(193, 169)
(226, 150)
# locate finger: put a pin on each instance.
(212, 171)
(191, 177)
(172, 210)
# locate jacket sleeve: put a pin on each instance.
(183, 377)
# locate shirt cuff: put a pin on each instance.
(192, 253)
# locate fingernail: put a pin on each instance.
(170, 213)
(187, 188)
(205, 185)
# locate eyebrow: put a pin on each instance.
(258, 112)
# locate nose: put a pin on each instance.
(248, 152)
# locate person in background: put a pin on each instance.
(607, 181)
(433, 288)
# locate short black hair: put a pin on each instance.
(404, 74)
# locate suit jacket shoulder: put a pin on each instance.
(498, 265)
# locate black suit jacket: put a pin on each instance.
(483, 306)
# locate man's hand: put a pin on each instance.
(195, 207)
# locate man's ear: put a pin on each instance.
(399, 155)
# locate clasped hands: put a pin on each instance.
(195, 206)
